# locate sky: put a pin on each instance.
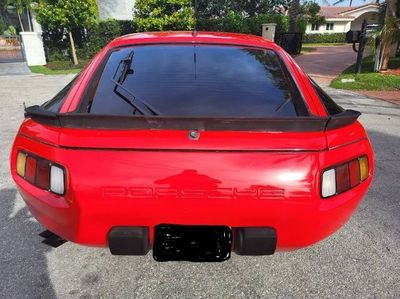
(344, 3)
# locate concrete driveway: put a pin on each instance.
(361, 260)
(326, 63)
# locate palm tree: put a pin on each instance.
(28, 4)
(19, 6)
(390, 32)
(294, 12)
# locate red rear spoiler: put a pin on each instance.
(98, 121)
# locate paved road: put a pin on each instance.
(361, 260)
(326, 63)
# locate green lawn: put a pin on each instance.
(59, 67)
(39, 69)
(368, 80)
(311, 47)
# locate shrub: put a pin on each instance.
(235, 22)
(324, 38)
(3, 25)
(101, 33)
(158, 15)
(88, 41)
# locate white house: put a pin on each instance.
(340, 19)
(116, 9)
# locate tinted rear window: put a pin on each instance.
(56, 102)
(196, 80)
(330, 106)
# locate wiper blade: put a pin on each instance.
(138, 104)
(283, 104)
(126, 70)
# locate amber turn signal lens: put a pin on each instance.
(363, 168)
(21, 161)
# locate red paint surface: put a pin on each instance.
(144, 178)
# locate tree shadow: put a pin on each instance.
(24, 271)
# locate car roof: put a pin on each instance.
(192, 37)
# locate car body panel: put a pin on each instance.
(136, 177)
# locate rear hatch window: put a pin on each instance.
(195, 81)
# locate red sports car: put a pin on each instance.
(194, 145)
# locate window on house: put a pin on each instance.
(314, 27)
(329, 26)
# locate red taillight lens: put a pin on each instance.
(341, 178)
(354, 167)
(30, 170)
(43, 174)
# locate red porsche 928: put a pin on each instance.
(194, 145)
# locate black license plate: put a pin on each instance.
(196, 243)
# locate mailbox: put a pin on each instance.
(353, 36)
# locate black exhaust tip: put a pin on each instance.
(51, 239)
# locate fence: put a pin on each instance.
(10, 49)
(291, 42)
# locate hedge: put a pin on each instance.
(324, 38)
(101, 33)
(237, 23)
(90, 40)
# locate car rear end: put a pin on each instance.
(194, 150)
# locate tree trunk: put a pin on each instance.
(386, 40)
(20, 22)
(28, 16)
(73, 50)
(294, 11)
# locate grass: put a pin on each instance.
(307, 49)
(368, 80)
(41, 69)
(59, 67)
(314, 45)
(311, 47)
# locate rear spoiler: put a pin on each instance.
(115, 122)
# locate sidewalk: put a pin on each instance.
(326, 63)
(389, 96)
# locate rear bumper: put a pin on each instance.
(297, 224)
(279, 190)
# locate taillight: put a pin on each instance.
(41, 172)
(343, 177)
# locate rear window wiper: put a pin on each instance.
(138, 104)
(127, 70)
